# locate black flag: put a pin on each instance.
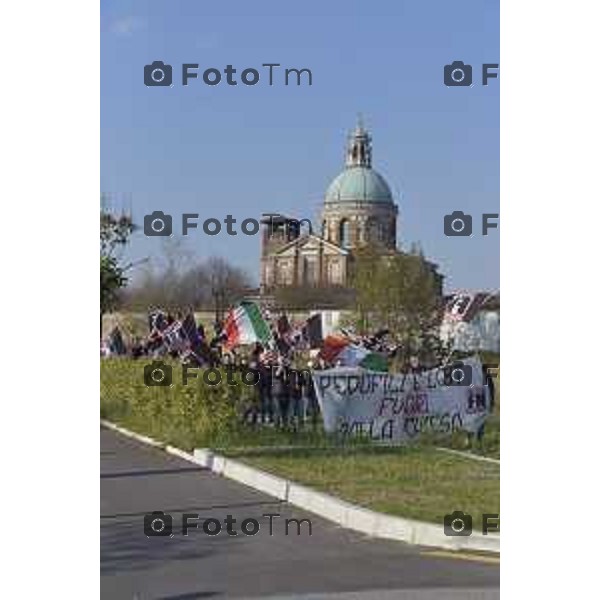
(313, 331)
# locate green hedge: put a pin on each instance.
(193, 415)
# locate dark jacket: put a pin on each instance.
(280, 382)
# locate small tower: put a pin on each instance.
(359, 150)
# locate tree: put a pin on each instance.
(114, 234)
(112, 279)
(400, 292)
(211, 284)
(227, 284)
(367, 278)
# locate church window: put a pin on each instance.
(372, 230)
(310, 271)
(285, 275)
(344, 233)
(334, 273)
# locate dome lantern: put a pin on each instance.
(359, 149)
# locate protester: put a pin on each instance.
(280, 391)
(310, 405)
(296, 396)
(137, 348)
(265, 389)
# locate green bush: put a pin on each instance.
(192, 415)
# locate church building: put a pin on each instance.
(358, 210)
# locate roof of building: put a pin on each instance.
(359, 184)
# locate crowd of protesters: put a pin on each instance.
(284, 394)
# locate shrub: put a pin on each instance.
(192, 415)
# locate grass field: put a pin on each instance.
(418, 483)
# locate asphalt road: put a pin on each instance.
(331, 564)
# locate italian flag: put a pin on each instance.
(337, 348)
(245, 325)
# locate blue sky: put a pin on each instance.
(245, 150)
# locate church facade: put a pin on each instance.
(358, 210)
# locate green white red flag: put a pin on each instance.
(246, 325)
(339, 349)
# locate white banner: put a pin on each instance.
(397, 407)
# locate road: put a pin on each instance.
(331, 564)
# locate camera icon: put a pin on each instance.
(458, 523)
(455, 224)
(458, 374)
(458, 74)
(158, 374)
(158, 74)
(158, 224)
(158, 524)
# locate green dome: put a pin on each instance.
(359, 184)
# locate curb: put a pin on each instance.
(345, 514)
